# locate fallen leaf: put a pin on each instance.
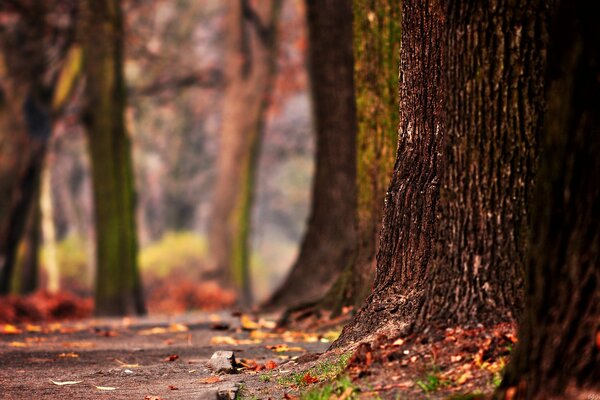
(464, 377)
(9, 329)
(79, 345)
(178, 328)
(284, 348)
(271, 364)
(171, 387)
(172, 357)
(398, 342)
(347, 393)
(17, 344)
(309, 379)
(33, 328)
(247, 323)
(126, 365)
(105, 387)
(210, 379)
(288, 396)
(149, 397)
(63, 383)
(68, 355)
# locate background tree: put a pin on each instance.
(456, 219)
(327, 246)
(33, 89)
(118, 286)
(251, 65)
(558, 355)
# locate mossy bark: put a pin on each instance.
(558, 355)
(251, 64)
(118, 284)
(328, 244)
(377, 34)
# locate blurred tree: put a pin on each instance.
(558, 354)
(456, 218)
(377, 28)
(327, 246)
(250, 69)
(33, 42)
(118, 284)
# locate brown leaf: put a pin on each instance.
(149, 397)
(9, 329)
(309, 379)
(271, 364)
(171, 387)
(172, 357)
(288, 396)
(210, 379)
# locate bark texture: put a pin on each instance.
(377, 28)
(558, 355)
(251, 64)
(409, 214)
(118, 285)
(456, 220)
(494, 76)
(328, 244)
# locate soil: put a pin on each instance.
(166, 358)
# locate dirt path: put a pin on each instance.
(161, 357)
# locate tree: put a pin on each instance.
(327, 246)
(250, 60)
(558, 355)
(456, 218)
(376, 33)
(32, 94)
(118, 285)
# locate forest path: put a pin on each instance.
(150, 357)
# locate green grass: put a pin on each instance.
(432, 381)
(334, 388)
(325, 371)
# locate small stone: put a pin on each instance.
(222, 361)
(228, 393)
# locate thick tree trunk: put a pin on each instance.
(251, 64)
(118, 286)
(455, 226)
(377, 28)
(26, 279)
(327, 246)
(494, 72)
(558, 355)
(409, 215)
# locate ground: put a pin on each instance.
(166, 358)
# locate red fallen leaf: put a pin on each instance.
(288, 396)
(171, 387)
(106, 332)
(271, 364)
(309, 379)
(172, 357)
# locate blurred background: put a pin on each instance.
(175, 74)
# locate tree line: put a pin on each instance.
(456, 176)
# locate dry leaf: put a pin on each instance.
(68, 355)
(398, 342)
(210, 379)
(271, 364)
(9, 329)
(149, 397)
(125, 365)
(64, 383)
(283, 348)
(17, 344)
(172, 357)
(309, 379)
(105, 387)
(171, 387)
(248, 324)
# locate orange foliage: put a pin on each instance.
(43, 306)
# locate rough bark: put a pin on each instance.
(327, 246)
(456, 221)
(118, 285)
(377, 27)
(494, 76)
(558, 355)
(250, 60)
(409, 213)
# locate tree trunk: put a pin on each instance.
(327, 246)
(558, 355)
(409, 213)
(251, 64)
(377, 28)
(495, 67)
(26, 279)
(456, 219)
(118, 285)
